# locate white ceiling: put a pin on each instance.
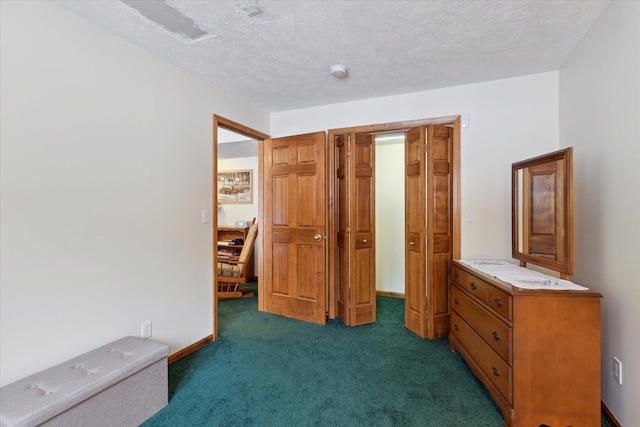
(276, 54)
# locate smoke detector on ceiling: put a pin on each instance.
(338, 71)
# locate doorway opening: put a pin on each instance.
(431, 236)
(235, 147)
(389, 214)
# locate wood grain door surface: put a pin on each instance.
(355, 240)
(415, 232)
(294, 215)
(428, 228)
(543, 212)
(439, 193)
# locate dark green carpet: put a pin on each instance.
(267, 370)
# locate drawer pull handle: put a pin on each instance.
(412, 243)
(364, 240)
(495, 371)
(456, 300)
(497, 302)
(473, 286)
(456, 327)
(495, 335)
(455, 274)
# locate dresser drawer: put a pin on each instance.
(496, 299)
(500, 302)
(469, 283)
(497, 371)
(495, 332)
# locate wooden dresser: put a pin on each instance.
(536, 351)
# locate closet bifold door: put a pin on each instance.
(355, 199)
(439, 238)
(415, 232)
(428, 228)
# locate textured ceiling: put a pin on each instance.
(276, 54)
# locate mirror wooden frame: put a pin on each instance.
(542, 211)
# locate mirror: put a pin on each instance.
(542, 211)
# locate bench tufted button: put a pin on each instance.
(40, 389)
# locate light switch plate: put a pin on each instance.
(464, 120)
(468, 215)
(206, 216)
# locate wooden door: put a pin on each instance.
(343, 243)
(294, 217)
(429, 228)
(439, 194)
(355, 188)
(415, 306)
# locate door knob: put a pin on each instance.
(411, 243)
(317, 237)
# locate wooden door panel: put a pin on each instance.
(307, 269)
(281, 193)
(429, 229)
(280, 155)
(306, 153)
(294, 214)
(355, 210)
(439, 227)
(414, 300)
(439, 144)
(307, 202)
(280, 268)
(415, 216)
(543, 216)
(415, 286)
(342, 238)
(363, 277)
(363, 206)
(363, 292)
(440, 204)
(440, 294)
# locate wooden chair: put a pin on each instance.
(231, 268)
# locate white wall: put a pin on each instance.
(389, 176)
(600, 118)
(105, 169)
(510, 120)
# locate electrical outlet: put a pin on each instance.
(146, 330)
(617, 370)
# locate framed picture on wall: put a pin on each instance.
(235, 186)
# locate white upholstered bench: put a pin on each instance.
(120, 384)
